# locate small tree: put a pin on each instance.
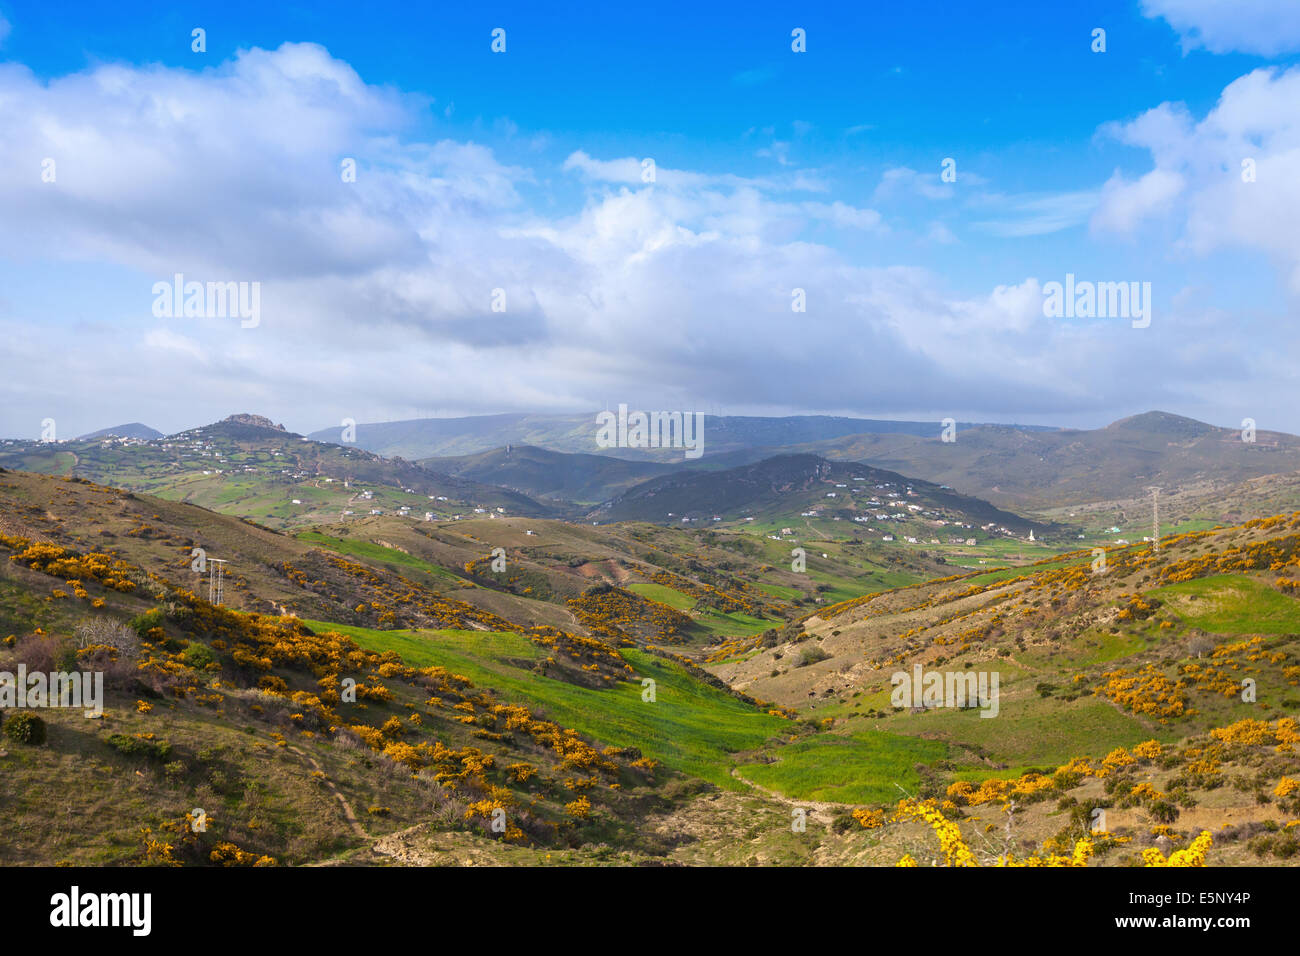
(104, 631)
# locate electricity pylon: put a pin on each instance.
(216, 579)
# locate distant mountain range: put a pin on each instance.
(549, 465)
(454, 437)
(1022, 469)
(1012, 466)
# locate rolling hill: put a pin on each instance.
(246, 465)
(132, 430)
(1019, 468)
(539, 473)
(1026, 470)
(792, 487)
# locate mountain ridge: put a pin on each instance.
(129, 430)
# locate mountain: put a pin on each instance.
(586, 479)
(1018, 468)
(790, 488)
(132, 430)
(450, 437)
(1022, 469)
(243, 427)
(246, 465)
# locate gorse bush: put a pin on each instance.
(144, 623)
(25, 728)
(199, 656)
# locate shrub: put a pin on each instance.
(1163, 811)
(105, 632)
(45, 653)
(140, 746)
(812, 655)
(843, 823)
(25, 728)
(198, 656)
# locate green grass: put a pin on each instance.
(1034, 730)
(56, 463)
(662, 594)
(1092, 647)
(370, 551)
(780, 591)
(1232, 604)
(861, 768)
(1004, 574)
(734, 624)
(842, 592)
(1189, 526)
(711, 620)
(691, 727)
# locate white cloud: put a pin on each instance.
(234, 168)
(376, 294)
(1036, 215)
(842, 214)
(778, 150)
(1264, 27)
(165, 340)
(1201, 164)
(941, 234)
(903, 180)
(1124, 203)
(628, 170)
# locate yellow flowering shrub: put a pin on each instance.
(1193, 855)
(870, 819)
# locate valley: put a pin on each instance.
(702, 667)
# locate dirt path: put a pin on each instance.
(348, 812)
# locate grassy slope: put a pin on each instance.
(865, 767)
(369, 551)
(690, 726)
(1232, 604)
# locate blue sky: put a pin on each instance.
(775, 170)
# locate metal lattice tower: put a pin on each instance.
(216, 579)
(1155, 519)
